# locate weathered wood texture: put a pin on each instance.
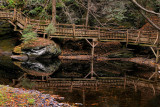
(130, 36)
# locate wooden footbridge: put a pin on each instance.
(19, 20)
(130, 36)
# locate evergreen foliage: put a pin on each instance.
(28, 34)
(50, 29)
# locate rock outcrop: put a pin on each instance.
(39, 48)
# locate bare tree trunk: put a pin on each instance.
(54, 12)
(87, 15)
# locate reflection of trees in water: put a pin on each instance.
(80, 69)
(8, 71)
(120, 68)
(154, 102)
(72, 68)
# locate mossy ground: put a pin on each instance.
(15, 97)
(20, 97)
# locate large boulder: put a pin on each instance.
(39, 48)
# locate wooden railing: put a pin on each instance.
(81, 31)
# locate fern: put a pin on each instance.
(11, 3)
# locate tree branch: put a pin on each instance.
(66, 11)
(152, 23)
(90, 13)
(149, 11)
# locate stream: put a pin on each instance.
(86, 83)
(83, 83)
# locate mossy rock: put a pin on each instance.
(18, 49)
(38, 48)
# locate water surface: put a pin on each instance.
(86, 83)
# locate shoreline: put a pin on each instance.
(138, 60)
(10, 96)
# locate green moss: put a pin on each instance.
(31, 101)
(18, 49)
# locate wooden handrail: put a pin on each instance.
(81, 31)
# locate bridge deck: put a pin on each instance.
(130, 36)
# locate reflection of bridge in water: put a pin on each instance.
(95, 83)
(99, 83)
(84, 86)
(90, 80)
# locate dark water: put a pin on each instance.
(83, 83)
(86, 83)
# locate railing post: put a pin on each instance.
(156, 42)
(85, 29)
(14, 14)
(139, 34)
(157, 38)
(138, 37)
(157, 56)
(99, 33)
(73, 25)
(127, 37)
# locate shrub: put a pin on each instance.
(28, 34)
(50, 29)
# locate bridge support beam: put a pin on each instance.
(93, 44)
(156, 53)
(92, 73)
(155, 74)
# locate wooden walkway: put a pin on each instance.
(130, 36)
